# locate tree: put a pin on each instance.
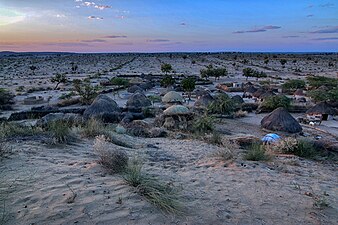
(317, 81)
(211, 72)
(188, 85)
(223, 104)
(276, 101)
(33, 68)
(85, 90)
(166, 68)
(266, 61)
(167, 81)
(319, 95)
(283, 62)
(58, 79)
(248, 72)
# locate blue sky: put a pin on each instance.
(175, 25)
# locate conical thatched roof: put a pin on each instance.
(176, 110)
(281, 120)
(250, 89)
(172, 97)
(321, 108)
(258, 93)
(138, 101)
(101, 106)
(134, 89)
(203, 101)
(299, 92)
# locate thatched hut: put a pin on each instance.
(137, 102)
(103, 108)
(322, 110)
(248, 91)
(203, 101)
(281, 120)
(177, 117)
(172, 97)
(299, 93)
(135, 88)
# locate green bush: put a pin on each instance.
(85, 90)
(274, 102)
(320, 95)
(293, 84)
(60, 132)
(119, 81)
(317, 81)
(203, 124)
(257, 152)
(167, 81)
(222, 104)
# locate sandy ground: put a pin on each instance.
(212, 191)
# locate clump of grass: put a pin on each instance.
(224, 154)
(162, 195)
(93, 128)
(215, 139)
(297, 147)
(320, 201)
(60, 132)
(114, 161)
(5, 150)
(12, 130)
(203, 125)
(257, 152)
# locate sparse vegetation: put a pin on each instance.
(213, 72)
(223, 105)
(10, 130)
(85, 90)
(257, 152)
(203, 124)
(162, 195)
(60, 132)
(166, 68)
(119, 81)
(167, 81)
(188, 85)
(294, 84)
(114, 160)
(58, 79)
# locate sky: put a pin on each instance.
(169, 25)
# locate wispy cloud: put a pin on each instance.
(328, 30)
(158, 40)
(65, 44)
(60, 16)
(95, 17)
(102, 7)
(327, 5)
(94, 41)
(325, 39)
(115, 36)
(310, 15)
(183, 24)
(257, 30)
(89, 4)
(291, 36)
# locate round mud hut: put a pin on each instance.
(177, 117)
(281, 120)
(203, 101)
(137, 102)
(172, 97)
(103, 108)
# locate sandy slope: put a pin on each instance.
(214, 192)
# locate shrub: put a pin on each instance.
(188, 85)
(167, 81)
(256, 152)
(166, 68)
(58, 79)
(12, 130)
(93, 128)
(213, 72)
(274, 102)
(114, 161)
(60, 132)
(320, 95)
(293, 84)
(297, 147)
(85, 90)
(317, 81)
(204, 124)
(223, 104)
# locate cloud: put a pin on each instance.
(158, 40)
(102, 7)
(291, 36)
(327, 5)
(65, 44)
(77, 0)
(89, 3)
(310, 15)
(329, 30)
(257, 30)
(325, 39)
(60, 16)
(95, 17)
(183, 24)
(115, 36)
(94, 41)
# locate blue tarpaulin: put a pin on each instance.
(269, 138)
